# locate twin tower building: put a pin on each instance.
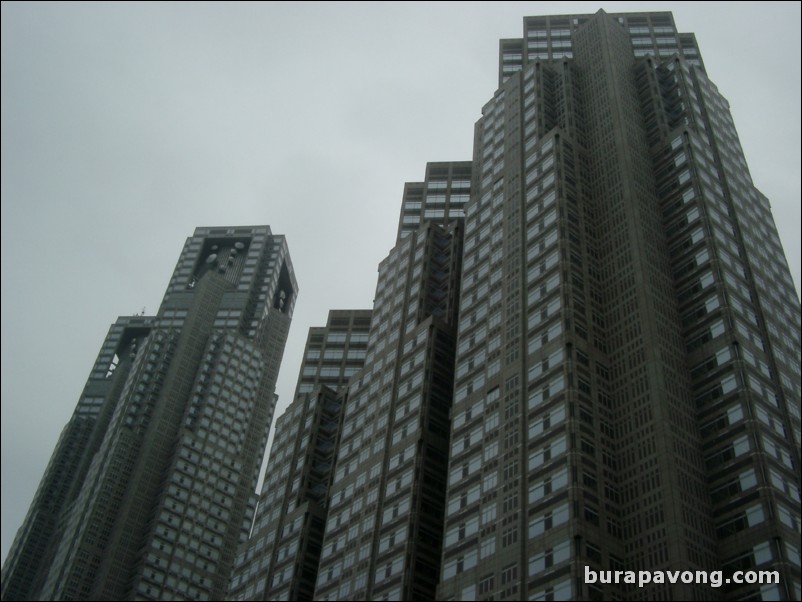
(583, 352)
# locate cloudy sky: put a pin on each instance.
(125, 126)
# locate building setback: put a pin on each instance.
(385, 519)
(293, 506)
(148, 491)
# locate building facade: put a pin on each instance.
(440, 198)
(613, 382)
(384, 526)
(280, 559)
(584, 354)
(627, 375)
(151, 485)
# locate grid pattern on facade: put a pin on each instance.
(615, 344)
(280, 559)
(384, 528)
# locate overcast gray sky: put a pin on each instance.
(126, 126)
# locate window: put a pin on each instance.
(548, 520)
(549, 451)
(548, 485)
(509, 537)
(509, 574)
(548, 558)
(557, 591)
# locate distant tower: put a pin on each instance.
(151, 485)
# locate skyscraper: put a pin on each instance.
(616, 317)
(148, 491)
(626, 386)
